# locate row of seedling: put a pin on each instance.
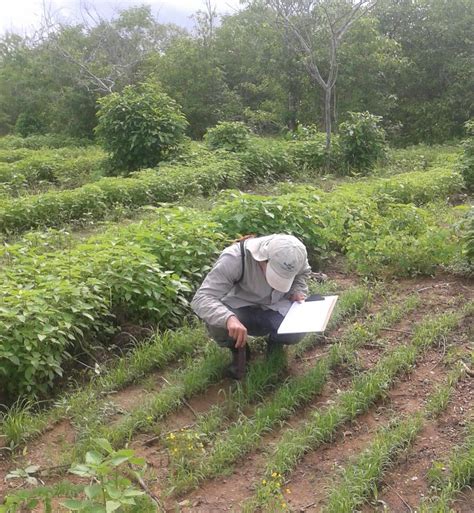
(194, 377)
(366, 388)
(246, 433)
(360, 479)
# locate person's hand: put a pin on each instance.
(297, 296)
(237, 331)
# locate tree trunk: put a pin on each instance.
(327, 117)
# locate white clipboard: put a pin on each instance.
(308, 316)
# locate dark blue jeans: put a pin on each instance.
(259, 323)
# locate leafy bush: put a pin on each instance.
(94, 201)
(304, 133)
(469, 239)
(295, 214)
(28, 124)
(362, 141)
(365, 221)
(139, 127)
(309, 154)
(266, 160)
(66, 168)
(397, 239)
(55, 303)
(36, 142)
(467, 159)
(228, 135)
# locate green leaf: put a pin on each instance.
(92, 491)
(73, 504)
(104, 444)
(94, 458)
(111, 506)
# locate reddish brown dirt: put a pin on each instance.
(408, 481)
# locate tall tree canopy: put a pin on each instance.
(409, 61)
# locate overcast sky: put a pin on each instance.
(23, 15)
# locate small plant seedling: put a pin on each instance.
(26, 473)
(110, 490)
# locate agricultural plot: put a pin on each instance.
(374, 415)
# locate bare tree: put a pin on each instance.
(106, 53)
(206, 22)
(310, 20)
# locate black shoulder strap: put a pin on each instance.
(242, 255)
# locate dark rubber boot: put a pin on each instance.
(240, 357)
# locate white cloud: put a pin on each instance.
(24, 15)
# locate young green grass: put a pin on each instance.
(460, 474)
(263, 375)
(360, 478)
(20, 423)
(365, 389)
(246, 433)
(195, 377)
(191, 380)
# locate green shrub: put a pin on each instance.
(467, 158)
(362, 142)
(469, 239)
(304, 133)
(397, 240)
(28, 124)
(94, 201)
(9, 156)
(65, 168)
(266, 160)
(54, 304)
(139, 127)
(36, 142)
(228, 135)
(295, 214)
(309, 154)
(365, 221)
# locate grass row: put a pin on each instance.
(366, 388)
(359, 479)
(194, 377)
(460, 474)
(263, 375)
(246, 433)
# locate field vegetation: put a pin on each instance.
(120, 185)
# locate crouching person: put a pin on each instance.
(250, 289)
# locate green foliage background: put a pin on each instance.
(409, 62)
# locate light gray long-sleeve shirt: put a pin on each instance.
(220, 290)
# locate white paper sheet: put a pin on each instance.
(310, 316)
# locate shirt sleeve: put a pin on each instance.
(300, 283)
(221, 279)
